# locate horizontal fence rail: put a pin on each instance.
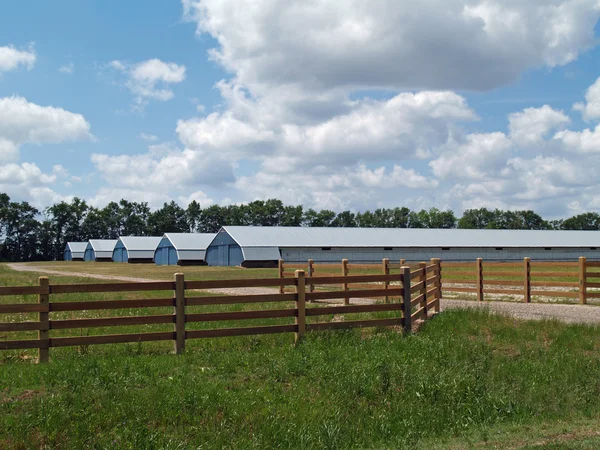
(526, 279)
(578, 279)
(407, 295)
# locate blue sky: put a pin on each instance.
(332, 109)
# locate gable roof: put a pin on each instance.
(77, 247)
(190, 241)
(407, 237)
(140, 243)
(103, 245)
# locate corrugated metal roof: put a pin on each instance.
(407, 237)
(140, 243)
(77, 247)
(190, 241)
(261, 253)
(103, 245)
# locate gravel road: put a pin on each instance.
(529, 311)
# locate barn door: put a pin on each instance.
(223, 255)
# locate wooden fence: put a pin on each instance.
(569, 279)
(417, 293)
(486, 280)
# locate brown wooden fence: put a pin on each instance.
(417, 293)
(487, 280)
(527, 279)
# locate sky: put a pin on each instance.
(453, 104)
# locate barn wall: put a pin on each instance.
(67, 256)
(89, 254)
(120, 253)
(165, 253)
(371, 255)
(224, 251)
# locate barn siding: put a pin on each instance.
(89, 254)
(165, 253)
(224, 251)
(371, 255)
(120, 253)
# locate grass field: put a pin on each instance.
(467, 379)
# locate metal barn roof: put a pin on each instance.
(103, 245)
(407, 237)
(140, 243)
(190, 241)
(77, 247)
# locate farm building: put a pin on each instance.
(74, 251)
(263, 246)
(182, 248)
(135, 249)
(99, 250)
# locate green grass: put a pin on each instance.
(468, 378)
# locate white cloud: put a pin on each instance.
(22, 122)
(474, 159)
(67, 68)
(150, 79)
(590, 110)
(441, 44)
(11, 58)
(148, 137)
(585, 141)
(201, 197)
(533, 125)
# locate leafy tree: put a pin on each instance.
(585, 221)
(345, 219)
(170, 218)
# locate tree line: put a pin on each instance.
(28, 234)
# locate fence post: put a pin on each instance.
(311, 273)
(438, 283)
(179, 313)
(345, 284)
(582, 280)
(479, 267)
(44, 319)
(406, 299)
(527, 282)
(423, 290)
(402, 262)
(385, 263)
(280, 268)
(300, 305)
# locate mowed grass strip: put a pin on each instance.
(463, 377)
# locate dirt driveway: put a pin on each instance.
(529, 311)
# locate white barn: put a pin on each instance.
(263, 246)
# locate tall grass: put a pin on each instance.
(463, 374)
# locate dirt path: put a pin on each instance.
(533, 311)
(527, 311)
(229, 291)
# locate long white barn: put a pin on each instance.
(263, 246)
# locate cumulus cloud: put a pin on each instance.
(11, 58)
(150, 79)
(533, 125)
(23, 122)
(480, 155)
(441, 44)
(590, 109)
(346, 107)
